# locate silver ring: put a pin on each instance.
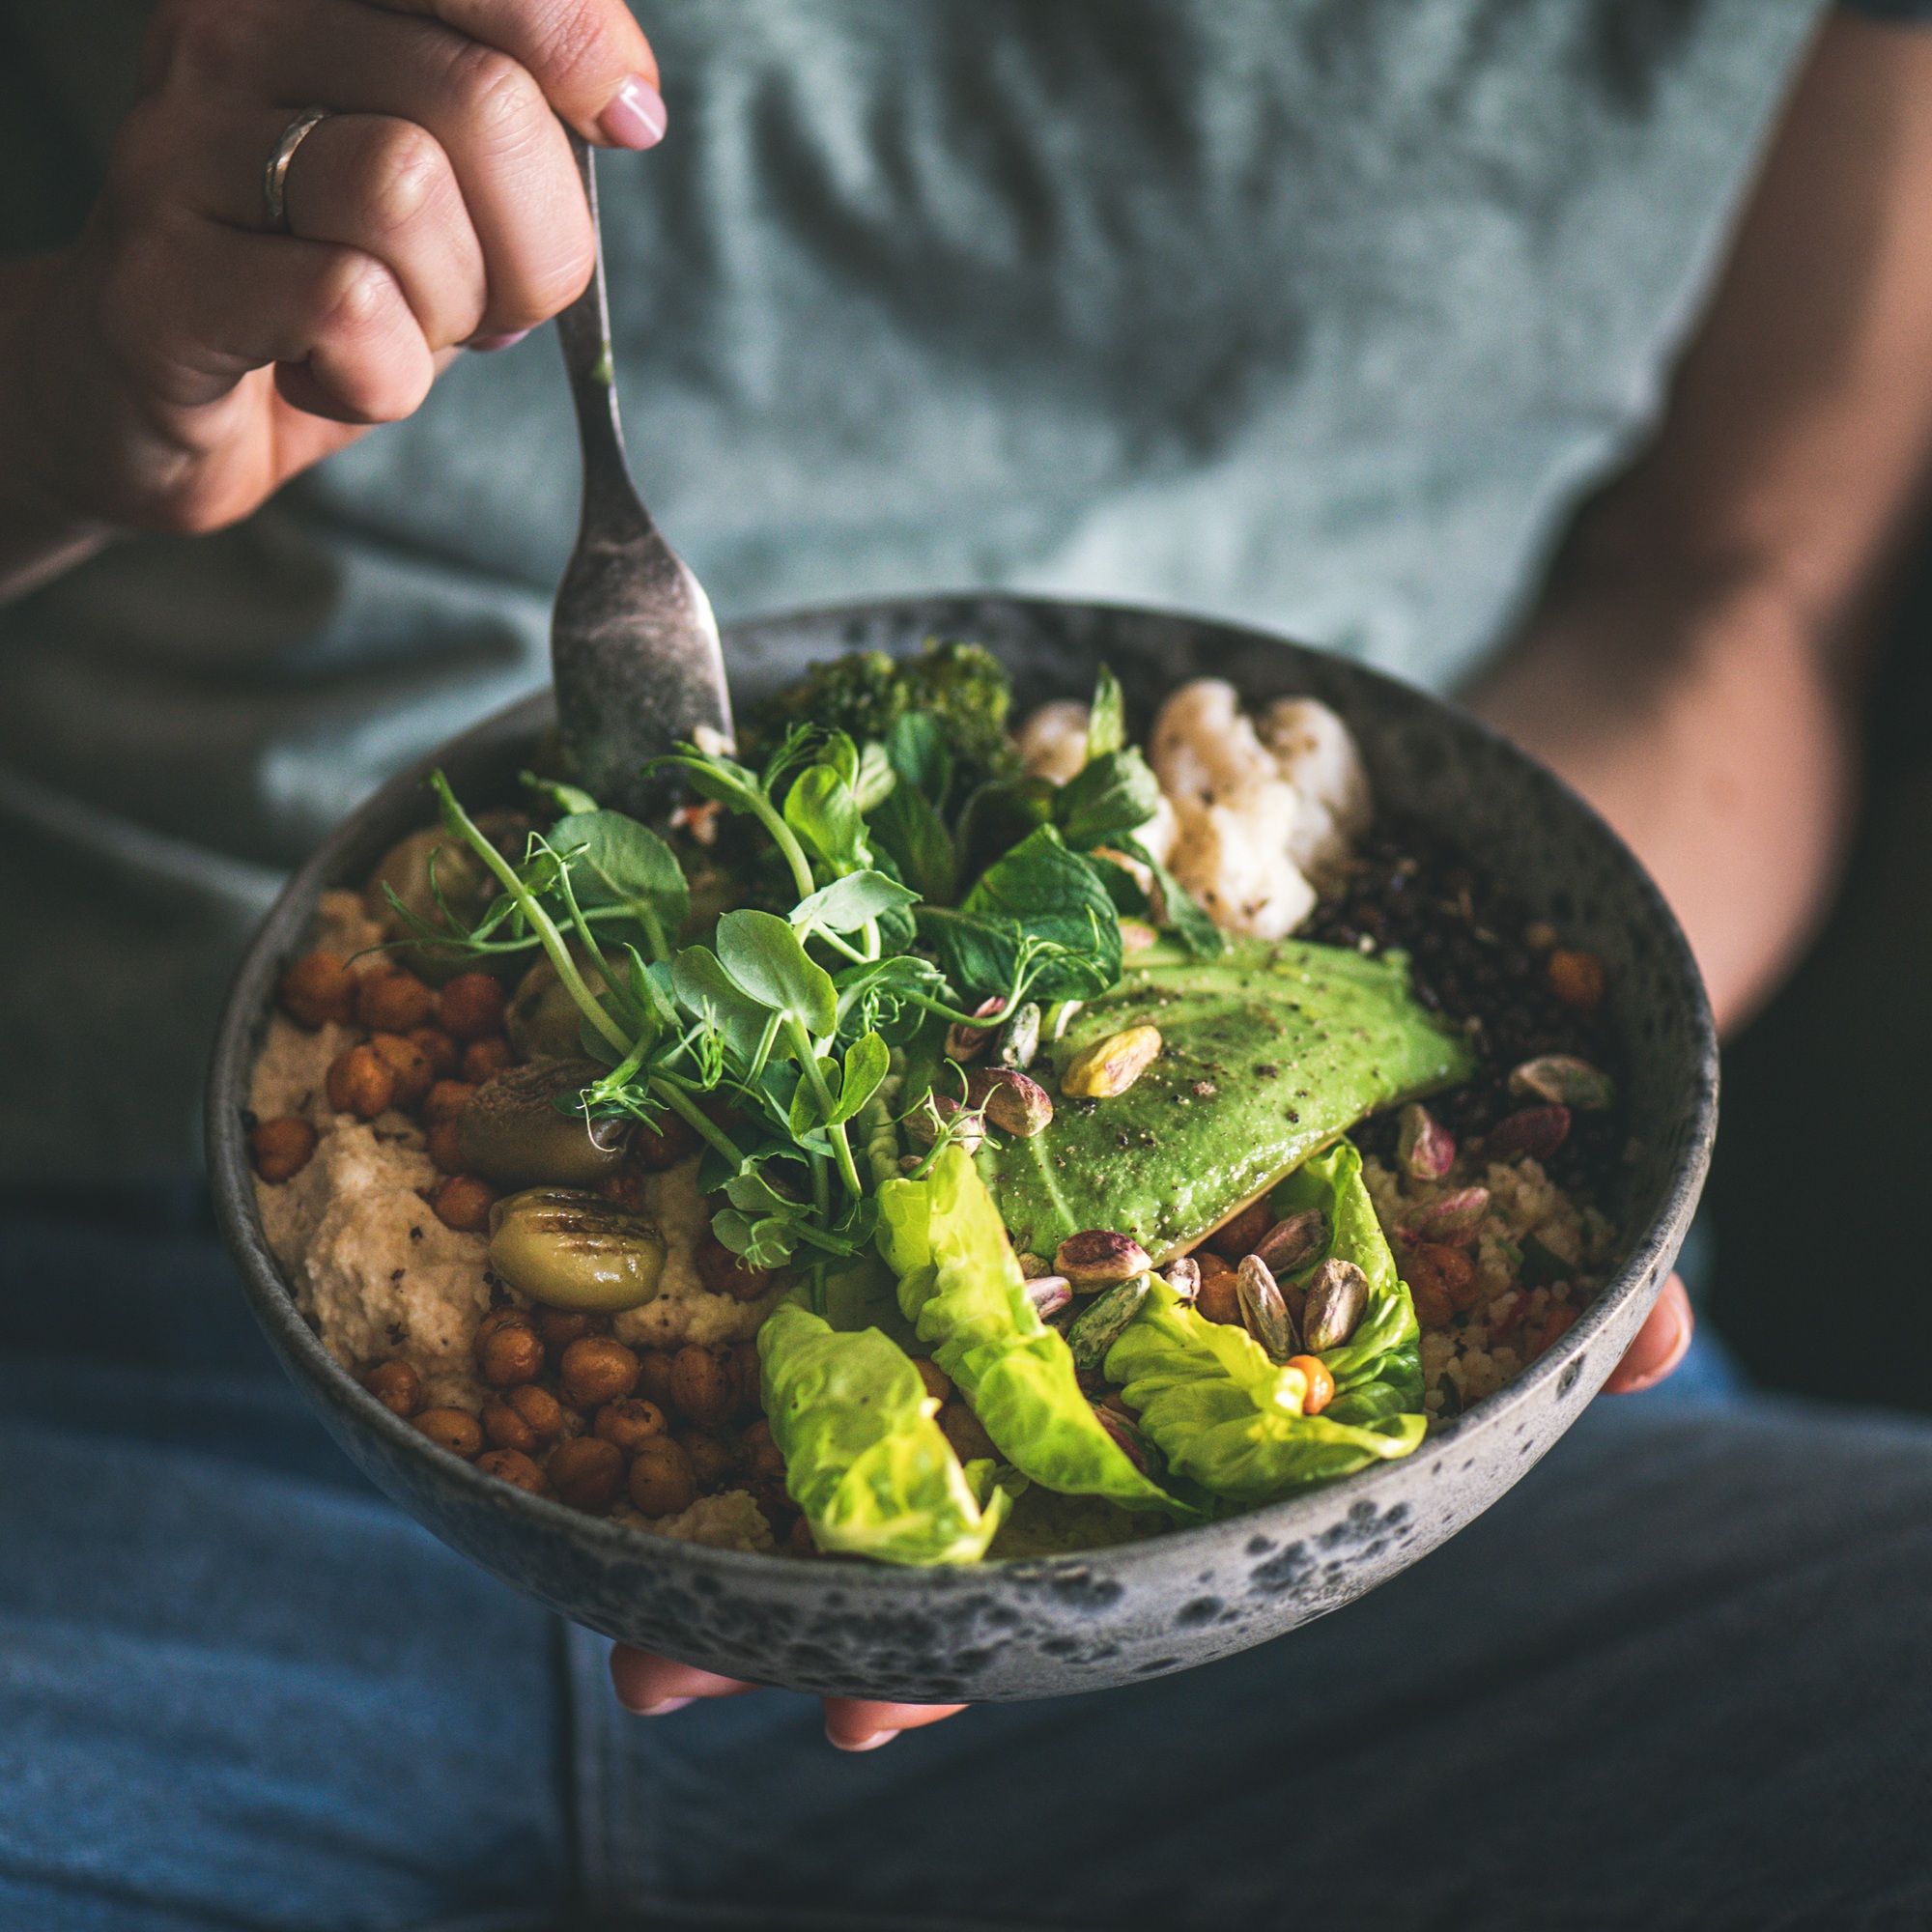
(275, 176)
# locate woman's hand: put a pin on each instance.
(181, 361)
(654, 1686)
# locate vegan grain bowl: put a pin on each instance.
(934, 1144)
(961, 1139)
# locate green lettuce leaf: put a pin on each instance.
(961, 1288)
(864, 1457)
(1227, 1416)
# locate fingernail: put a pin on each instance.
(636, 117)
(663, 1707)
(871, 1742)
(487, 345)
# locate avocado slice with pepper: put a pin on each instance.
(1267, 1053)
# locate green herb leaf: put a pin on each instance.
(919, 755)
(764, 957)
(866, 1061)
(1107, 722)
(1201, 937)
(562, 799)
(615, 861)
(708, 993)
(821, 810)
(1043, 892)
(875, 778)
(848, 903)
(909, 829)
(1106, 799)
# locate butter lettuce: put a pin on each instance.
(864, 1457)
(961, 1288)
(1227, 1417)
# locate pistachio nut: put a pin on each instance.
(1019, 1038)
(1451, 1219)
(1535, 1132)
(1104, 1321)
(1338, 1296)
(1111, 1066)
(1564, 1080)
(1183, 1277)
(1058, 1017)
(1128, 1439)
(1264, 1313)
(510, 1132)
(1011, 1101)
(569, 1249)
(935, 1116)
(966, 1043)
(1098, 1258)
(1033, 1267)
(1425, 1149)
(1049, 1293)
(1295, 1242)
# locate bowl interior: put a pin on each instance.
(1513, 819)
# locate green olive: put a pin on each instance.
(573, 1250)
(464, 882)
(511, 1134)
(543, 1021)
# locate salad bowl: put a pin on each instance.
(1050, 1625)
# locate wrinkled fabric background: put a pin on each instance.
(1316, 314)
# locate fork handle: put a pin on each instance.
(583, 331)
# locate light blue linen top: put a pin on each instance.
(1317, 314)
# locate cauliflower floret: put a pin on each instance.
(1314, 753)
(1052, 741)
(1234, 816)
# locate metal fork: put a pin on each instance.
(634, 646)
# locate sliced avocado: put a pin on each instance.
(1267, 1053)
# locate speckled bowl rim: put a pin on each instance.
(272, 1297)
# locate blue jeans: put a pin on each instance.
(1678, 1677)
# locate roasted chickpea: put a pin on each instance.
(1240, 1235)
(725, 1273)
(510, 1355)
(281, 1148)
(762, 1453)
(452, 1429)
(714, 1459)
(540, 1411)
(441, 1052)
(443, 1147)
(965, 1431)
(361, 1082)
(702, 1385)
(630, 1423)
(585, 1472)
(662, 1482)
(674, 1139)
(1217, 1300)
(464, 1203)
(445, 1100)
(654, 1377)
(513, 1466)
(319, 987)
(937, 1383)
(1451, 1267)
(748, 1376)
(393, 1001)
(408, 1061)
(1320, 1382)
(559, 1327)
(1433, 1309)
(597, 1370)
(484, 1059)
(396, 1386)
(471, 1007)
(506, 1428)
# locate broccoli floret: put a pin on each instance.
(863, 692)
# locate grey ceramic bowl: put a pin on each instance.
(1041, 1627)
